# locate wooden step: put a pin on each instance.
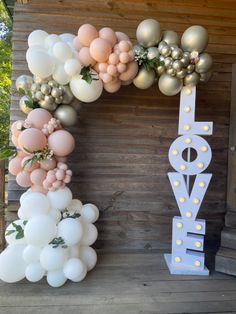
(228, 238)
(230, 219)
(225, 261)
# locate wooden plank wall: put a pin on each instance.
(122, 140)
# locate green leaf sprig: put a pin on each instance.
(142, 59)
(38, 155)
(56, 242)
(70, 215)
(19, 231)
(88, 75)
(7, 151)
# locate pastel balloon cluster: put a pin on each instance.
(51, 238)
(42, 147)
(109, 53)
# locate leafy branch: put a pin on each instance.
(88, 75)
(7, 151)
(38, 155)
(18, 230)
(69, 215)
(56, 242)
(149, 64)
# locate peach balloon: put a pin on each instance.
(106, 78)
(61, 142)
(86, 34)
(23, 179)
(124, 57)
(61, 159)
(85, 57)
(37, 176)
(48, 164)
(124, 46)
(125, 83)
(14, 140)
(121, 67)
(77, 44)
(100, 49)
(131, 71)
(113, 86)
(39, 188)
(102, 67)
(14, 166)
(32, 140)
(28, 165)
(38, 117)
(112, 70)
(121, 36)
(96, 67)
(131, 55)
(108, 34)
(15, 127)
(113, 58)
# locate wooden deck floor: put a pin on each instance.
(124, 284)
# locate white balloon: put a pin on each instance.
(60, 76)
(40, 230)
(40, 64)
(90, 213)
(51, 40)
(73, 268)
(32, 49)
(12, 265)
(67, 37)
(34, 272)
(24, 195)
(21, 214)
(84, 91)
(37, 37)
(75, 206)
(55, 214)
(53, 258)
(88, 256)
(60, 198)
(81, 276)
(11, 237)
(31, 254)
(35, 204)
(56, 278)
(71, 230)
(74, 250)
(90, 233)
(62, 51)
(72, 67)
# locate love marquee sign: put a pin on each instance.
(54, 232)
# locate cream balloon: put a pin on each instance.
(62, 51)
(148, 33)
(40, 64)
(60, 76)
(144, 79)
(66, 114)
(67, 37)
(35, 204)
(72, 67)
(37, 37)
(195, 38)
(204, 64)
(51, 40)
(170, 85)
(75, 206)
(60, 198)
(170, 37)
(90, 213)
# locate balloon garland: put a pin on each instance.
(54, 232)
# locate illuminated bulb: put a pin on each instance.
(204, 149)
(206, 128)
(182, 167)
(197, 263)
(186, 127)
(195, 200)
(201, 184)
(198, 244)
(188, 140)
(174, 152)
(187, 109)
(177, 259)
(188, 214)
(200, 165)
(179, 225)
(188, 91)
(176, 183)
(182, 199)
(198, 227)
(179, 242)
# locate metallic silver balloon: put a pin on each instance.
(39, 95)
(67, 96)
(23, 107)
(161, 45)
(66, 114)
(205, 77)
(148, 33)
(152, 53)
(170, 37)
(177, 53)
(192, 79)
(56, 92)
(144, 78)
(190, 68)
(177, 65)
(168, 62)
(38, 80)
(45, 89)
(24, 82)
(165, 51)
(172, 47)
(53, 83)
(49, 99)
(170, 85)
(181, 74)
(185, 59)
(171, 71)
(195, 38)
(160, 70)
(204, 64)
(59, 100)
(47, 105)
(35, 87)
(162, 58)
(137, 49)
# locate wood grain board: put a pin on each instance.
(122, 140)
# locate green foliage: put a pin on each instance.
(19, 231)
(56, 242)
(88, 75)
(5, 74)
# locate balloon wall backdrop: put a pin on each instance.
(54, 232)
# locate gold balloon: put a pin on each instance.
(205, 77)
(67, 96)
(204, 64)
(148, 33)
(144, 78)
(24, 82)
(160, 70)
(195, 38)
(46, 104)
(192, 79)
(66, 114)
(23, 107)
(170, 85)
(170, 37)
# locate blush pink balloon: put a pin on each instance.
(37, 176)
(102, 67)
(14, 140)
(14, 128)
(48, 164)
(77, 44)
(22, 154)
(131, 55)
(113, 58)
(85, 57)
(112, 69)
(38, 117)
(86, 34)
(32, 140)
(106, 78)
(61, 159)
(29, 166)
(121, 67)
(125, 83)
(112, 86)
(121, 36)
(131, 71)
(39, 188)
(96, 67)
(108, 34)
(124, 46)
(100, 49)
(124, 57)
(23, 179)
(61, 142)
(14, 166)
